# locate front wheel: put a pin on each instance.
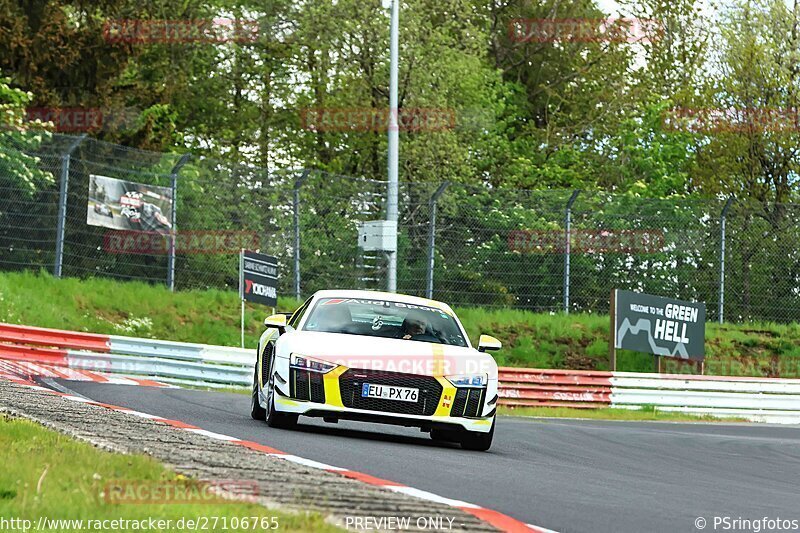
(274, 418)
(256, 411)
(480, 442)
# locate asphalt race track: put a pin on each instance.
(566, 475)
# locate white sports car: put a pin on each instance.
(377, 357)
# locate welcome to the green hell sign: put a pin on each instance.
(660, 326)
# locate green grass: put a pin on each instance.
(48, 474)
(577, 341)
(609, 413)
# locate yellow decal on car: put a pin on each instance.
(333, 396)
(448, 395)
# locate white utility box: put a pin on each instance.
(377, 235)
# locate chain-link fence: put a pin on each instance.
(549, 250)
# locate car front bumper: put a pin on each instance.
(322, 395)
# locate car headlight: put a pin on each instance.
(310, 364)
(469, 380)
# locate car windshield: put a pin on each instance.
(384, 318)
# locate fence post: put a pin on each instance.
(432, 237)
(567, 223)
(296, 210)
(174, 185)
(722, 219)
(62, 205)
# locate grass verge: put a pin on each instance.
(609, 413)
(542, 340)
(46, 474)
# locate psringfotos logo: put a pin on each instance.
(754, 525)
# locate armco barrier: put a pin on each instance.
(179, 362)
(530, 387)
(14, 333)
(760, 399)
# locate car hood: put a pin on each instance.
(391, 355)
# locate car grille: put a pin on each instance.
(468, 402)
(430, 392)
(266, 364)
(305, 385)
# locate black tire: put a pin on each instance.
(479, 442)
(256, 411)
(274, 418)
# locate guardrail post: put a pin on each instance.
(296, 210)
(174, 185)
(722, 219)
(62, 205)
(432, 237)
(567, 224)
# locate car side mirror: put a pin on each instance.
(276, 321)
(487, 343)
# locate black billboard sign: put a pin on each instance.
(660, 326)
(259, 278)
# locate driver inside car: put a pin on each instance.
(335, 319)
(413, 325)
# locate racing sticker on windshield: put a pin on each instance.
(384, 303)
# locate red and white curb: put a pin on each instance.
(494, 518)
(25, 370)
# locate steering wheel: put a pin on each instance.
(425, 338)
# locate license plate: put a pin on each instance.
(387, 392)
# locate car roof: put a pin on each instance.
(394, 297)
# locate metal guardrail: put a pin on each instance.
(53, 337)
(533, 387)
(758, 399)
(761, 399)
(178, 362)
(196, 372)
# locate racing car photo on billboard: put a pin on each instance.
(127, 205)
(377, 357)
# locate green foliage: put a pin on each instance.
(18, 170)
(537, 113)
